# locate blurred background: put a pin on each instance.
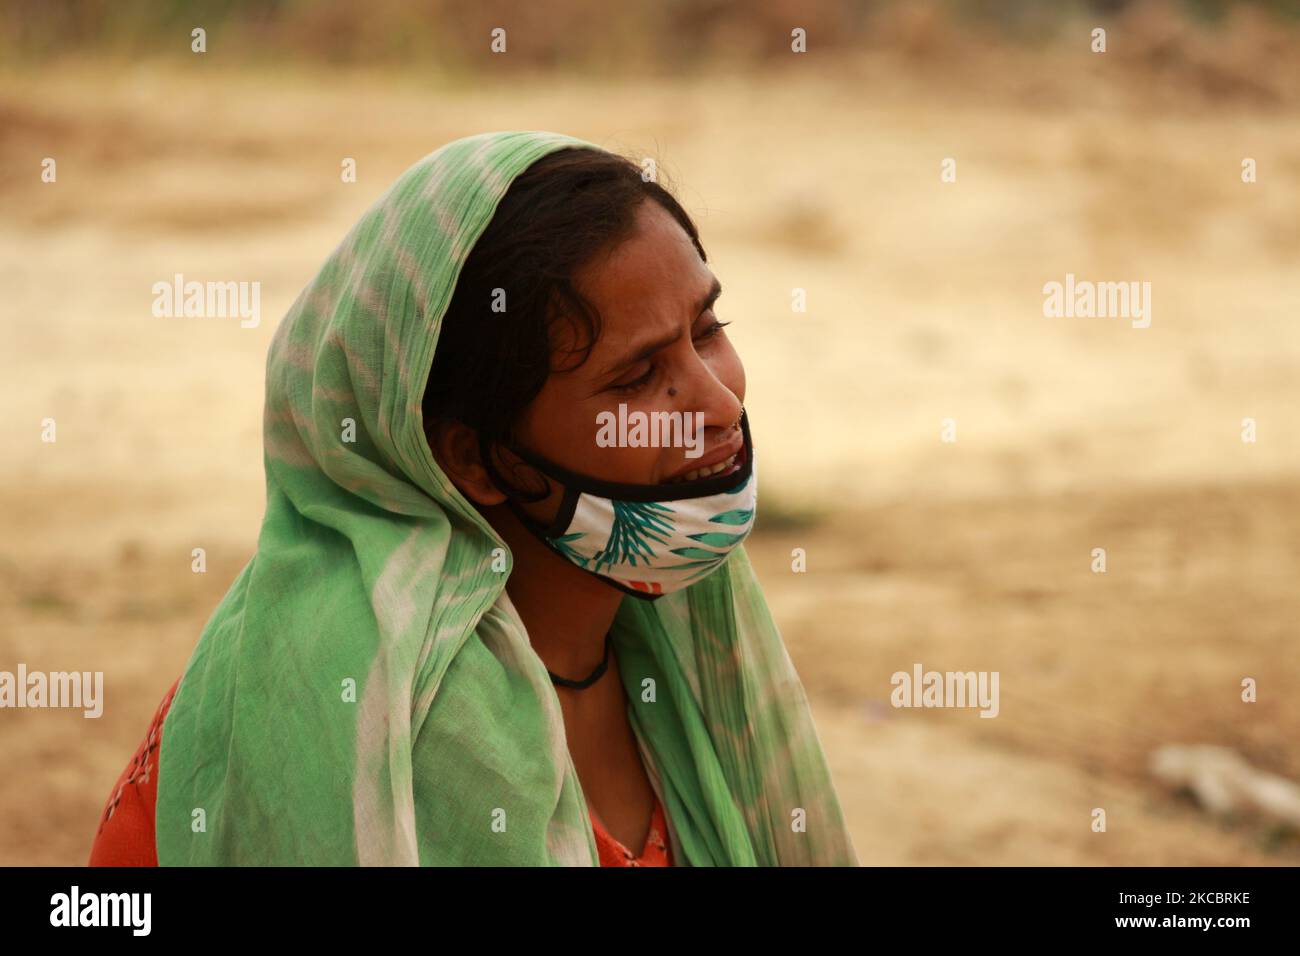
(817, 171)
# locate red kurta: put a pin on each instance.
(125, 836)
(654, 853)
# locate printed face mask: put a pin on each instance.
(648, 540)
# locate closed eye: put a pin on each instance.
(642, 381)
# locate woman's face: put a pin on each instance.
(660, 350)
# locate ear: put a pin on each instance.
(455, 448)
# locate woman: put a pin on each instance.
(472, 634)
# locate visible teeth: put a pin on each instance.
(706, 471)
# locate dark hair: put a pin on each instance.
(557, 215)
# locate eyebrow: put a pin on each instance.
(645, 350)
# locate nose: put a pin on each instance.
(723, 409)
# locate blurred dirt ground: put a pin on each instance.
(924, 304)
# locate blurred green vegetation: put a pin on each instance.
(629, 35)
(779, 515)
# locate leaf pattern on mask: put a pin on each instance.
(705, 559)
(636, 524)
(562, 544)
(717, 539)
(695, 553)
(735, 516)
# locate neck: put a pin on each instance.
(566, 610)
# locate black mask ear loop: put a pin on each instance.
(568, 503)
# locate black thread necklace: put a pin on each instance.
(591, 678)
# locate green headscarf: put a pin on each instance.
(366, 693)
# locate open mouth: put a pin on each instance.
(725, 467)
